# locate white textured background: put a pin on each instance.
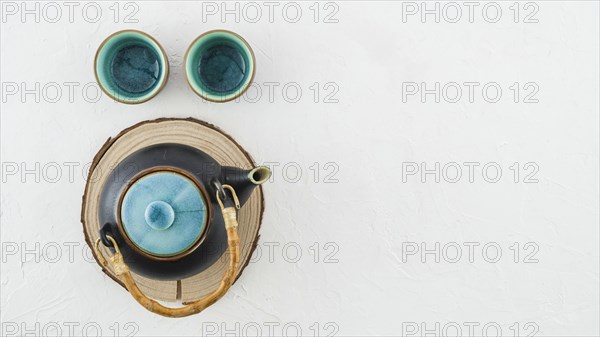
(371, 287)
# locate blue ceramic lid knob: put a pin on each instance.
(159, 215)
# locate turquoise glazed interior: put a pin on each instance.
(164, 213)
(131, 67)
(219, 66)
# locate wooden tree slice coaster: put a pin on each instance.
(191, 132)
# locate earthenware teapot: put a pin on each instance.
(169, 211)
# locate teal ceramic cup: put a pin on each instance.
(131, 67)
(219, 65)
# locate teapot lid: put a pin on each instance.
(163, 213)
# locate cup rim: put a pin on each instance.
(252, 58)
(163, 78)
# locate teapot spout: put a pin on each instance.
(244, 181)
(259, 175)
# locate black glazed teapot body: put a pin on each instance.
(160, 206)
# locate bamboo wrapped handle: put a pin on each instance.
(233, 249)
